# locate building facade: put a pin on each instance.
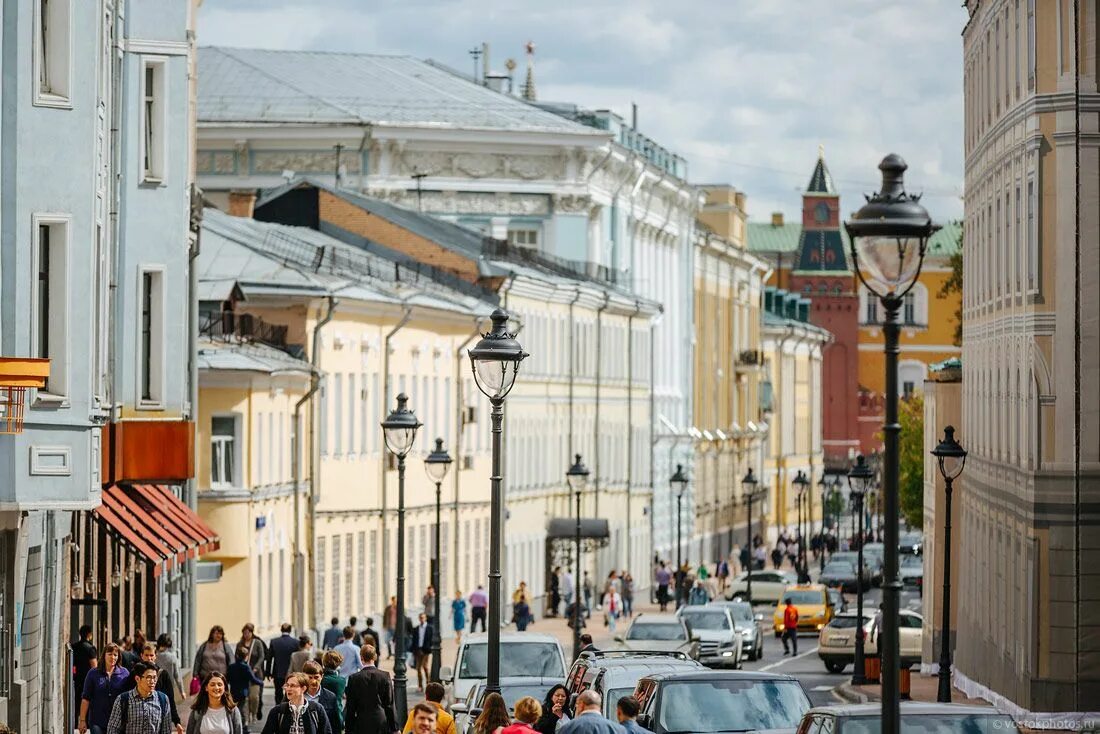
(1026, 631)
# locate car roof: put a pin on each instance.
(482, 637)
(628, 658)
(658, 618)
(705, 675)
(519, 680)
(634, 673)
(805, 587)
(907, 707)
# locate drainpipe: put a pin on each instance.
(599, 374)
(653, 438)
(190, 487)
(781, 471)
(630, 425)
(572, 364)
(295, 476)
(382, 464)
(459, 431)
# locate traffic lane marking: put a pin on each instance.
(790, 659)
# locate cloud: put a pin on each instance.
(745, 90)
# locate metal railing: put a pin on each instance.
(230, 325)
(590, 270)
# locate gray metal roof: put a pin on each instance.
(247, 357)
(265, 86)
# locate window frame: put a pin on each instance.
(158, 357)
(55, 61)
(235, 456)
(157, 171)
(58, 349)
(533, 230)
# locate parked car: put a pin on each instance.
(812, 603)
(664, 632)
(910, 626)
(911, 572)
(748, 624)
(866, 718)
(719, 638)
(714, 701)
(512, 688)
(615, 673)
(839, 574)
(837, 600)
(522, 655)
(767, 586)
(852, 557)
(911, 543)
(836, 643)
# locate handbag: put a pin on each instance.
(195, 685)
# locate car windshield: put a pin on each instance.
(665, 631)
(840, 567)
(741, 613)
(707, 620)
(845, 623)
(517, 659)
(846, 557)
(920, 724)
(731, 705)
(514, 692)
(804, 596)
(911, 562)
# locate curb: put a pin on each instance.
(849, 693)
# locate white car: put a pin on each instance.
(522, 655)
(767, 586)
(837, 641)
(719, 639)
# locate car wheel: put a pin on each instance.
(835, 666)
(760, 651)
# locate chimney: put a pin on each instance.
(484, 60)
(777, 219)
(633, 115)
(242, 202)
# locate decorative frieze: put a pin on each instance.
(479, 165)
(277, 161)
(468, 202)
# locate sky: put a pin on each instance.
(748, 91)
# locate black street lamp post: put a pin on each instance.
(858, 478)
(679, 482)
(399, 430)
(951, 458)
(801, 483)
(495, 362)
(889, 236)
(577, 477)
(437, 464)
(839, 504)
(823, 485)
(748, 488)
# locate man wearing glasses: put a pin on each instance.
(143, 710)
(296, 714)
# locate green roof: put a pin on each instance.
(766, 237)
(946, 242)
(821, 182)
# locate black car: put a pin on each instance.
(838, 575)
(943, 718)
(708, 702)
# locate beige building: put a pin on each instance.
(1029, 542)
(730, 430)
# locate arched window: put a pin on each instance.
(914, 307)
(911, 375)
(868, 306)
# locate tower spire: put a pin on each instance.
(529, 84)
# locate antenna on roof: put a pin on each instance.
(419, 177)
(529, 85)
(336, 174)
(475, 53)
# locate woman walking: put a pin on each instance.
(333, 681)
(213, 711)
(458, 615)
(213, 656)
(494, 715)
(553, 710)
(528, 711)
(613, 606)
(102, 686)
(521, 614)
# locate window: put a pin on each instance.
(223, 448)
(323, 427)
(338, 416)
(319, 592)
(49, 326)
(153, 120)
(51, 53)
(349, 565)
(909, 308)
(523, 237)
(261, 457)
(907, 389)
(871, 310)
(1032, 240)
(151, 342)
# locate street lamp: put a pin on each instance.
(889, 236)
(839, 504)
(437, 464)
(801, 482)
(823, 485)
(495, 363)
(748, 488)
(859, 476)
(577, 477)
(951, 458)
(679, 482)
(399, 431)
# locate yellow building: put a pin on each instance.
(729, 428)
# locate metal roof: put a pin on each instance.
(766, 237)
(246, 357)
(238, 85)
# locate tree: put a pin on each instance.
(954, 284)
(911, 459)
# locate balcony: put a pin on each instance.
(243, 327)
(749, 360)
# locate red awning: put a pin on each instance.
(155, 523)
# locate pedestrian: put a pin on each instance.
(349, 655)
(568, 587)
(587, 644)
(353, 622)
(626, 711)
(790, 626)
(553, 710)
(876, 624)
(323, 697)
(332, 635)
(389, 624)
(296, 715)
(213, 655)
(703, 572)
(169, 662)
(527, 712)
(722, 571)
(257, 656)
(444, 722)
(494, 715)
(586, 586)
(331, 680)
(368, 708)
(302, 654)
(422, 651)
(143, 710)
(589, 717)
(759, 557)
(663, 577)
(214, 711)
(241, 678)
(698, 595)
(429, 604)
(164, 684)
(521, 614)
(683, 585)
(555, 591)
(628, 594)
(519, 592)
(424, 718)
(369, 636)
(458, 616)
(613, 606)
(103, 684)
(479, 604)
(280, 650)
(127, 658)
(85, 657)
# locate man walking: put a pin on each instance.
(85, 657)
(302, 654)
(324, 698)
(424, 719)
(278, 660)
(369, 706)
(663, 577)
(143, 709)
(626, 711)
(790, 627)
(568, 588)
(422, 651)
(332, 635)
(479, 605)
(444, 722)
(369, 635)
(350, 655)
(389, 624)
(257, 656)
(589, 719)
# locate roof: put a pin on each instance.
(821, 181)
(710, 675)
(238, 85)
(766, 237)
(246, 357)
(658, 618)
(946, 241)
(481, 637)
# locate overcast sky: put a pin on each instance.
(746, 90)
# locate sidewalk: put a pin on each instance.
(922, 688)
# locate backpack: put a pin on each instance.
(124, 713)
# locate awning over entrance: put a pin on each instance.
(155, 523)
(562, 528)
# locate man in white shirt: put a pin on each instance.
(568, 588)
(350, 653)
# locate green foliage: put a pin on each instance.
(954, 284)
(911, 459)
(834, 507)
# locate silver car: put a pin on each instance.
(748, 624)
(665, 632)
(719, 639)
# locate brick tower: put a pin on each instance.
(823, 274)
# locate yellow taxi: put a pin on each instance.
(812, 603)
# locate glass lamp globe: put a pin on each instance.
(438, 462)
(496, 357)
(400, 427)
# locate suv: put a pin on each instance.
(719, 638)
(747, 622)
(522, 655)
(720, 701)
(662, 632)
(866, 718)
(767, 586)
(615, 673)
